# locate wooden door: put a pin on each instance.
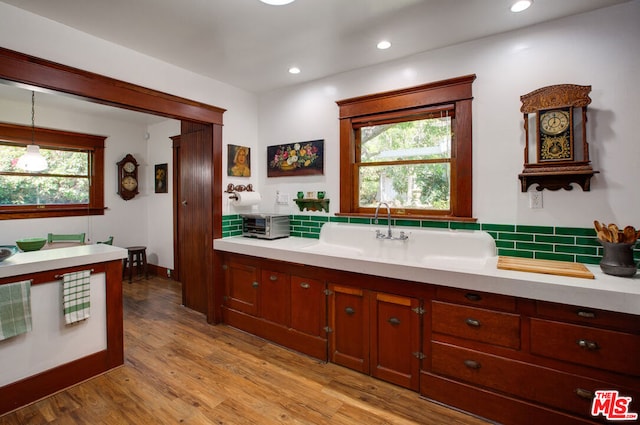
(241, 287)
(395, 339)
(274, 297)
(349, 323)
(194, 214)
(308, 305)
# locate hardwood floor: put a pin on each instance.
(179, 369)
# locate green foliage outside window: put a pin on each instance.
(421, 179)
(65, 181)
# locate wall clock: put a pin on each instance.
(127, 177)
(556, 152)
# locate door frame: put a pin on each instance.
(35, 73)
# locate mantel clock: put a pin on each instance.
(556, 152)
(128, 177)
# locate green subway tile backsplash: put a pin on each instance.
(575, 231)
(528, 246)
(464, 225)
(567, 240)
(534, 229)
(435, 224)
(545, 242)
(498, 228)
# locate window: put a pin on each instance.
(410, 148)
(71, 185)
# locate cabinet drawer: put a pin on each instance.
(553, 388)
(491, 327)
(609, 350)
(589, 316)
(476, 299)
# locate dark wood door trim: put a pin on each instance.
(24, 69)
(33, 72)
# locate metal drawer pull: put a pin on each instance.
(586, 344)
(394, 321)
(585, 394)
(586, 314)
(305, 285)
(472, 297)
(472, 364)
(255, 284)
(273, 278)
(473, 323)
(349, 311)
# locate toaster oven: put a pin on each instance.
(265, 226)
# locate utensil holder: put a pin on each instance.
(618, 259)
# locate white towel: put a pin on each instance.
(76, 295)
(15, 309)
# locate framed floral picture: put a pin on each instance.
(239, 161)
(296, 159)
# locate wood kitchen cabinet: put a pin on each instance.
(509, 359)
(241, 287)
(274, 292)
(522, 361)
(375, 333)
(270, 300)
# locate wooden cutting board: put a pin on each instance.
(560, 268)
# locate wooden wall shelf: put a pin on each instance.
(313, 204)
(556, 179)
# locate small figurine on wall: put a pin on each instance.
(239, 161)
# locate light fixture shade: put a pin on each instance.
(277, 2)
(32, 160)
(521, 5)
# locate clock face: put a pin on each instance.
(554, 122)
(129, 167)
(129, 183)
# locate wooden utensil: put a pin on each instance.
(597, 225)
(629, 233)
(614, 233)
(606, 234)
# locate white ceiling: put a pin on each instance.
(251, 45)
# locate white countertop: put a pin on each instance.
(59, 258)
(604, 292)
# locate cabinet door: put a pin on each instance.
(349, 321)
(274, 297)
(308, 305)
(241, 283)
(395, 339)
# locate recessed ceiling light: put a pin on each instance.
(277, 2)
(294, 70)
(521, 5)
(384, 44)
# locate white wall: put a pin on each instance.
(160, 205)
(601, 49)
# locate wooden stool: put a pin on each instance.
(137, 256)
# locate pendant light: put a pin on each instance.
(32, 160)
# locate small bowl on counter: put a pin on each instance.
(31, 244)
(7, 251)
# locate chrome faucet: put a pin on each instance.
(379, 234)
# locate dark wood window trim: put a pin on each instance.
(411, 101)
(19, 134)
